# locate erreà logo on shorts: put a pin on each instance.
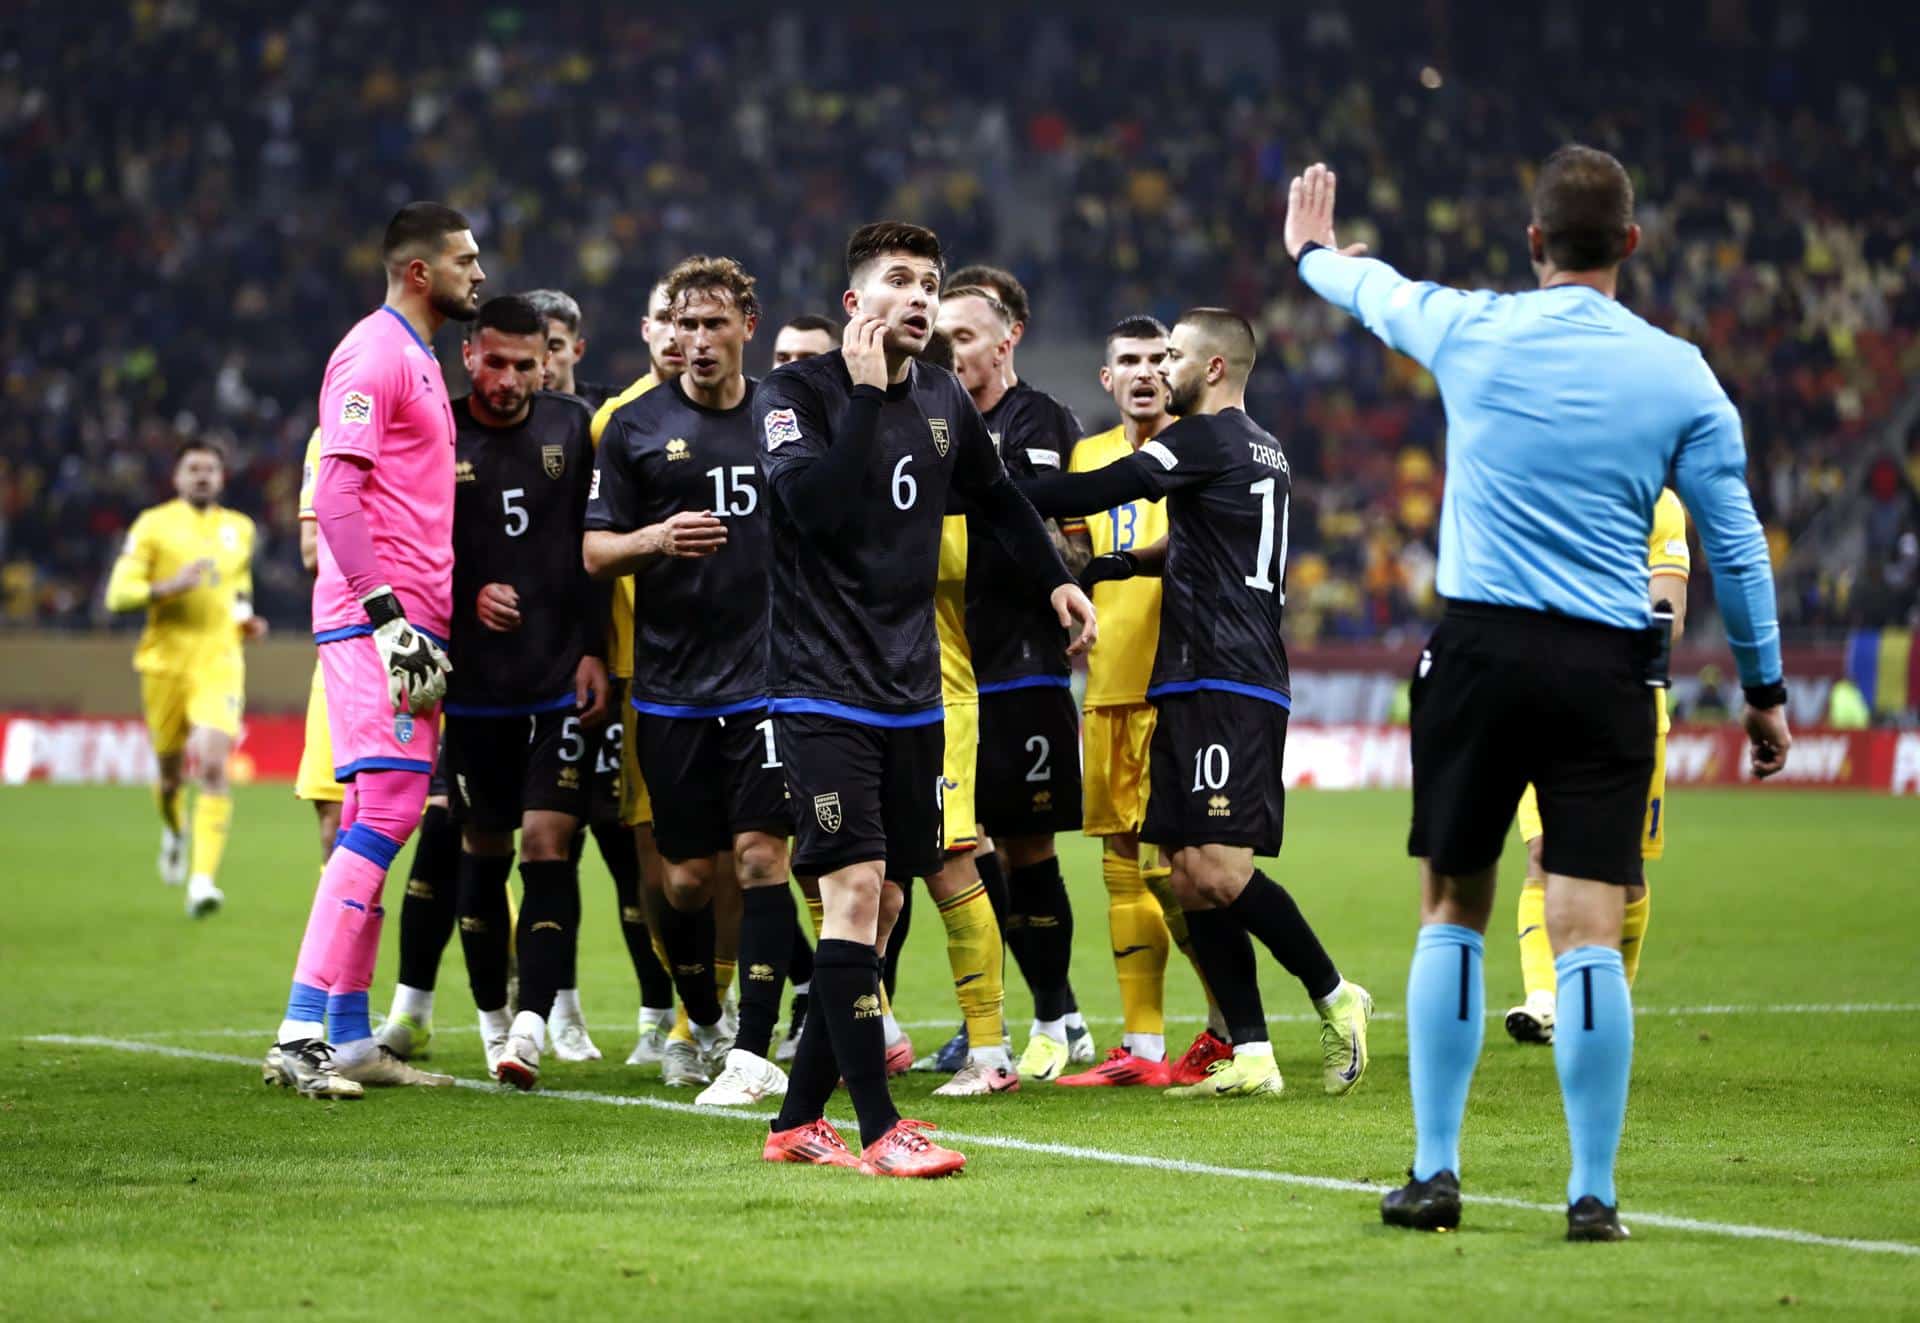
(827, 809)
(403, 727)
(866, 1006)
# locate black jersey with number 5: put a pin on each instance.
(518, 496)
(699, 636)
(1227, 488)
(852, 630)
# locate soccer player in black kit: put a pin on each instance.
(860, 449)
(677, 503)
(1027, 783)
(530, 625)
(1221, 686)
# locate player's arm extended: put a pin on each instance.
(1147, 562)
(1064, 495)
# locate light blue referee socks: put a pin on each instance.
(1593, 1050)
(1446, 1018)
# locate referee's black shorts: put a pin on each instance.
(1504, 696)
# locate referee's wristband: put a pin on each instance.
(1305, 248)
(1766, 695)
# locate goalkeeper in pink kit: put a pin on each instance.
(382, 608)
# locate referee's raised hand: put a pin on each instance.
(1310, 214)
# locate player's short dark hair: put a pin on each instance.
(509, 314)
(1228, 333)
(986, 296)
(418, 229)
(199, 443)
(713, 275)
(879, 238)
(1001, 281)
(1583, 204)
(1137, 327)
(812, 321)
(939, 351)
(556, 305)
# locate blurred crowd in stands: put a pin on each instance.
(194, 193)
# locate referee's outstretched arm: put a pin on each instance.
(1703, 454)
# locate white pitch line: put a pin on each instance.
(1651, 1012)
(1181, 1166)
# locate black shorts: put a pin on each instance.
(437, 787)
(603, 785)
(502, 767)
(863, 792)
(1214, 772)
(1028, 773)
(711, 779)
(1503, 697)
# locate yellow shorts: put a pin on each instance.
(956, 793)
(1113, 744)
(177, 702)
(314, 780)
(1653, 835)
(636, 805)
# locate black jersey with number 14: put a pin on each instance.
(1228, 490)
(518, 496)
(699, 637)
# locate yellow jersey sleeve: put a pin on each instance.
(620, 619)
(1121, 662)
(309, 474)
(1667, 544)
(957, 684)
(130, 585)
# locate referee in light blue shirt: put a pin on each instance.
(1566, 414)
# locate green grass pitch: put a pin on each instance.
(1776, 1090)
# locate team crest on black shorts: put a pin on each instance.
(827, 809)
(553, 459)
(403, 727)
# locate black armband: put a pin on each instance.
(1306, 248)
(1772, 694)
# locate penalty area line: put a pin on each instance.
(1077, 1152)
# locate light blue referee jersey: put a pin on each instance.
(1566, 414)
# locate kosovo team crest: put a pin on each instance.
(940, 441)
(553, 459)
(403, 727)
(827, 809)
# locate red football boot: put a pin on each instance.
(816, 1142)
(900, 1056)
(1208, 1048)
(1121, 1067)
(904, 1151)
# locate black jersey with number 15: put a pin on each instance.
(699, 636)
(1228, 489)
(518, 496)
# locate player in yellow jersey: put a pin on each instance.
(1117, 728)
(189, 565)
(664, 1038)
(1668, 564)
(314, 781)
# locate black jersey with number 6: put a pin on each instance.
(518, 496)
(1228, 490)
(699, 637)
(852, 631)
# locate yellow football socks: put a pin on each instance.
(1158, 880)
(1633, 931)
(723, 979)
(816, 913)
(1140, 944)
(212, 815)
(1536, 951)
(169, 802)
(974, 952)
